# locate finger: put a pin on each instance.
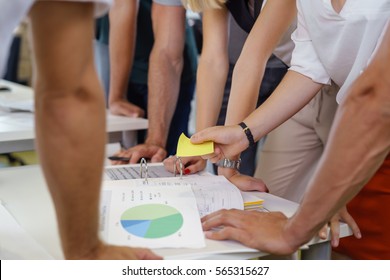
(323, 232)
(146, 254)
(335, 232)
(195, 166)
(208, 134)
(224, 217)
(158, 156)
(136, 156)
(248, 183)
(168, 163)
(347, 218)
(228, 233)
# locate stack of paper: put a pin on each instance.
(252, 202)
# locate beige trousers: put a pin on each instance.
(292, 151)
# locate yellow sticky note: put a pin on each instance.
(186, 149)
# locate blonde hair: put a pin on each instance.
(201, 5)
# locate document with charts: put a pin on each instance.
(163, 212)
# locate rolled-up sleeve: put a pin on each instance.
(304, 57)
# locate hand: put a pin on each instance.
(124, 108)
(154, 152)
(228, 141)
(191, 164)
(262, 231)
(109, 252)
(334, 225)
(241, 181)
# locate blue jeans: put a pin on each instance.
(138, 95)
(271, 79)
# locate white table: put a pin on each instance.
(17, 128)
(24, 194)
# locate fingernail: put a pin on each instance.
(358, 235)
(335, 243)
(187, 171)
(323, 235)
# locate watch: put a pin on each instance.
(228, 163)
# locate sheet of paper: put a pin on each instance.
(133, 171)
(214, 193)
(186, 149)
(15, 243)
(159, 214)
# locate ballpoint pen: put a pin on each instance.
(119, 158)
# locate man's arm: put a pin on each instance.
(165, 68)
(70, 125)
(123, 21)
(358, 143)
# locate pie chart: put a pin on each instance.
(152, 220)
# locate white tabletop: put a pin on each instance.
(24, 194)
(17, 128)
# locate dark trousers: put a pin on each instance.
(138, 95)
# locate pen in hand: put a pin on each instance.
(119, 158)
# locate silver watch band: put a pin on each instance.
(228, 163)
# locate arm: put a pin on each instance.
(165, 68)
(361, 134)
(211, 78)
(294, 92)
(273, 21)
(358, 144)
(213, 67)
(70, 125)
(123, 21)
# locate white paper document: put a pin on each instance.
(133, 171)
(164, 212)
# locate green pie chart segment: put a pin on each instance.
(152, 220)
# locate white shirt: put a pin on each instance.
(337, 46)
(14, 11)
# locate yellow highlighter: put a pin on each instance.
(186, 149)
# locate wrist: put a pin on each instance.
(248, 134)
(155, 142)
(233, 164)
(294, 234)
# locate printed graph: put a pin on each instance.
(152, 220)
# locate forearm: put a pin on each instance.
(163, 85)
(70, 119)
(274, 20)
(211, 79)
(213, 67)
(123, 18)
(358, 143)
(165, 68)
(292, 94)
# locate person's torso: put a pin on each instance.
(144, 45)
(345, 41)
(244, 14)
